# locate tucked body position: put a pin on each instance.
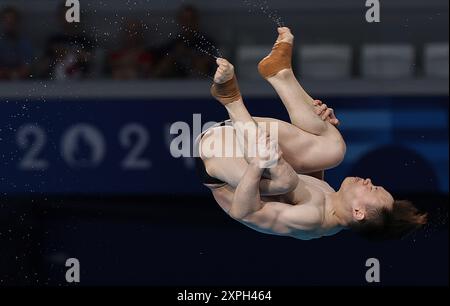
(280, 189)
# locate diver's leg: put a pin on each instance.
(277, 69)
(304, 151)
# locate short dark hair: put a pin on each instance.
(10, 10)
(385, 224)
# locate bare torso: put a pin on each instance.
(312, 195)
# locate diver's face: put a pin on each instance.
(364, 193)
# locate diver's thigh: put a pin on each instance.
(297, 145)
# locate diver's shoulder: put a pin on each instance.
(312, 181)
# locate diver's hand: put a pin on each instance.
(326, 113)
(268, 153)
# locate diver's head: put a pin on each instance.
(374, 212)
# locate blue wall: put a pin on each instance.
(80, 147)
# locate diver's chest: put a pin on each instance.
(316, 185)
(314, 193)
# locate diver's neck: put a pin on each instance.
(336, 212)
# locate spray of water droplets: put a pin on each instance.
(264, 8)
(204, 43)
(200, 42)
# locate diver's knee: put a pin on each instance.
(337, 151)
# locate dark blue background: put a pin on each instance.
(400, 142)
(162, 227)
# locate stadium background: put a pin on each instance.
(72, 187)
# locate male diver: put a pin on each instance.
(280, 190)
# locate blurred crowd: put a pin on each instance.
(70, 52)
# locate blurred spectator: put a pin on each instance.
(69, 53)
(182, 57)
(16, 53)
(132, 60)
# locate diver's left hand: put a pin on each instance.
(268, 152)
(326, 113)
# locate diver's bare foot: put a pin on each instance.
(279, 61)
(225, 88)
(285, 35)
(225, 71)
